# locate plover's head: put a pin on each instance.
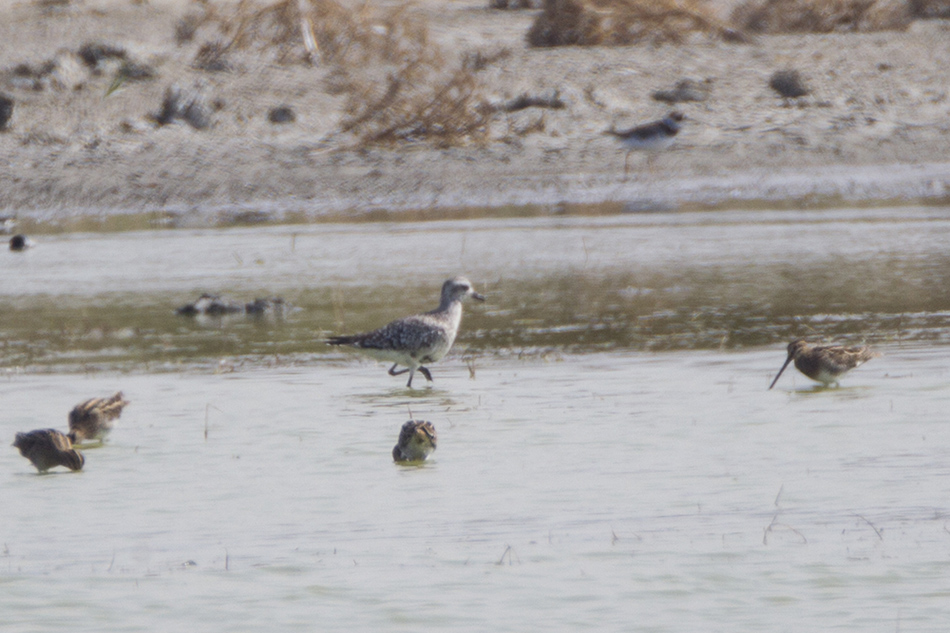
(417, 440)
(458, 288)
(673, 120)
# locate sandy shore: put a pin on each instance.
(876, 125)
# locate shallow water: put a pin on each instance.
(653, 281)
(609, 458)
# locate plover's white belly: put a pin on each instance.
(436, 351)
(403, 357)
(654, 143)
(408, 357)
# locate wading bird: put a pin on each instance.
(824, 363)
(415, 341)
(47, 448)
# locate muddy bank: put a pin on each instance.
(873, 126)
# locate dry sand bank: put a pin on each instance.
(875, 126)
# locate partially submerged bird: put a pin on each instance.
(417, 440)
(649, 137)
(210, 305)
(417, 340)
(94, 418)
(48, 448)
(275, 306)
(824, 363)
(20, 243)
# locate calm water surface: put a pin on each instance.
(609, 455)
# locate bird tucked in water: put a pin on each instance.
(417, 440)
(48, 448)
(94, 418)
(650, 137)
(415, 341)
(210, 305)
(20, 243)
(275, 306)
(824, 363)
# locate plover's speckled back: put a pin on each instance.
(824, 363)
(417, 440)
(418, 340)
(47, 448)
(94, 418)
(650, 137)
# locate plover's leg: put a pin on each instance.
(626, 163)
(425, 372)
(393, 372)
(412, 372)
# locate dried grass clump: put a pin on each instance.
(930, 8)
(283, 29)
(205, 13)
(623, 22)
(189, 105)
(212, 57)
(821, 16)
(409, 105)
(399, 84)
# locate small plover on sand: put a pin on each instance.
(417, 440)
(47, 448)
(417, 340)
(649, 137)
(94, 418)
(824, 363)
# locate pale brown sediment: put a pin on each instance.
(873, 127)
